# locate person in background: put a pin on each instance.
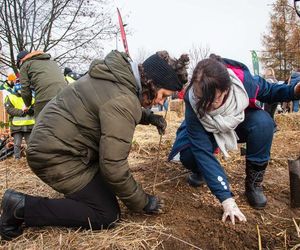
(287, 106)
(292, 106)
(20, 117)
(39, 74)
(164, 106)
(7, 149)
(81, 142)
(8, 85)
(269, 75)
(3, 138)
(295, 77)
(70, 75)
(221, 108)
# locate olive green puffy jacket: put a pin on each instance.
(42, 75)
(88, 127)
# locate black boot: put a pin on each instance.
(253, 184)
(195, 179)
(12, 214)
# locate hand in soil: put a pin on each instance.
(154, 205)
(232, 210)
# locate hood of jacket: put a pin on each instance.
(115, 68)
(38, 55)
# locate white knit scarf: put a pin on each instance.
(223, 121)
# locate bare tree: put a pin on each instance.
(294, 45)
(72, 30)
(196, 54)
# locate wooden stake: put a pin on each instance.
(6, 176)
(259, 238)
(157, 157)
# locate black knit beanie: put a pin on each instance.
(20, 56)
(67, 70)
(161, 73)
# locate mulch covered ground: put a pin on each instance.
(192, 216)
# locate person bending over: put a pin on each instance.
(80, 145)
(221, 110)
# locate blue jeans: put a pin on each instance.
(164, 106)
(296, 106)
(188, 160)
(18, 136)
(257, 132)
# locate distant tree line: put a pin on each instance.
(282, 40)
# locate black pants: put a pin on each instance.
(95, 206)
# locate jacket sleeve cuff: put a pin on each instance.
(145, 116)
(225, 196)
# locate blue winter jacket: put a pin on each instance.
(192, 134)
(295, 78)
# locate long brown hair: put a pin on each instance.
(209, 75)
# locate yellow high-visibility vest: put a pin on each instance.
(69, 79)
(18, 103)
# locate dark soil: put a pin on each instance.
(194, 214)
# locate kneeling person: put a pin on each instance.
(82, 140)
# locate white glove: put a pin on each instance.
(232, 210)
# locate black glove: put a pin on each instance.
(159, 122)
(30, 111)
(154, 205)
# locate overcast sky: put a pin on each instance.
(230, 28)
